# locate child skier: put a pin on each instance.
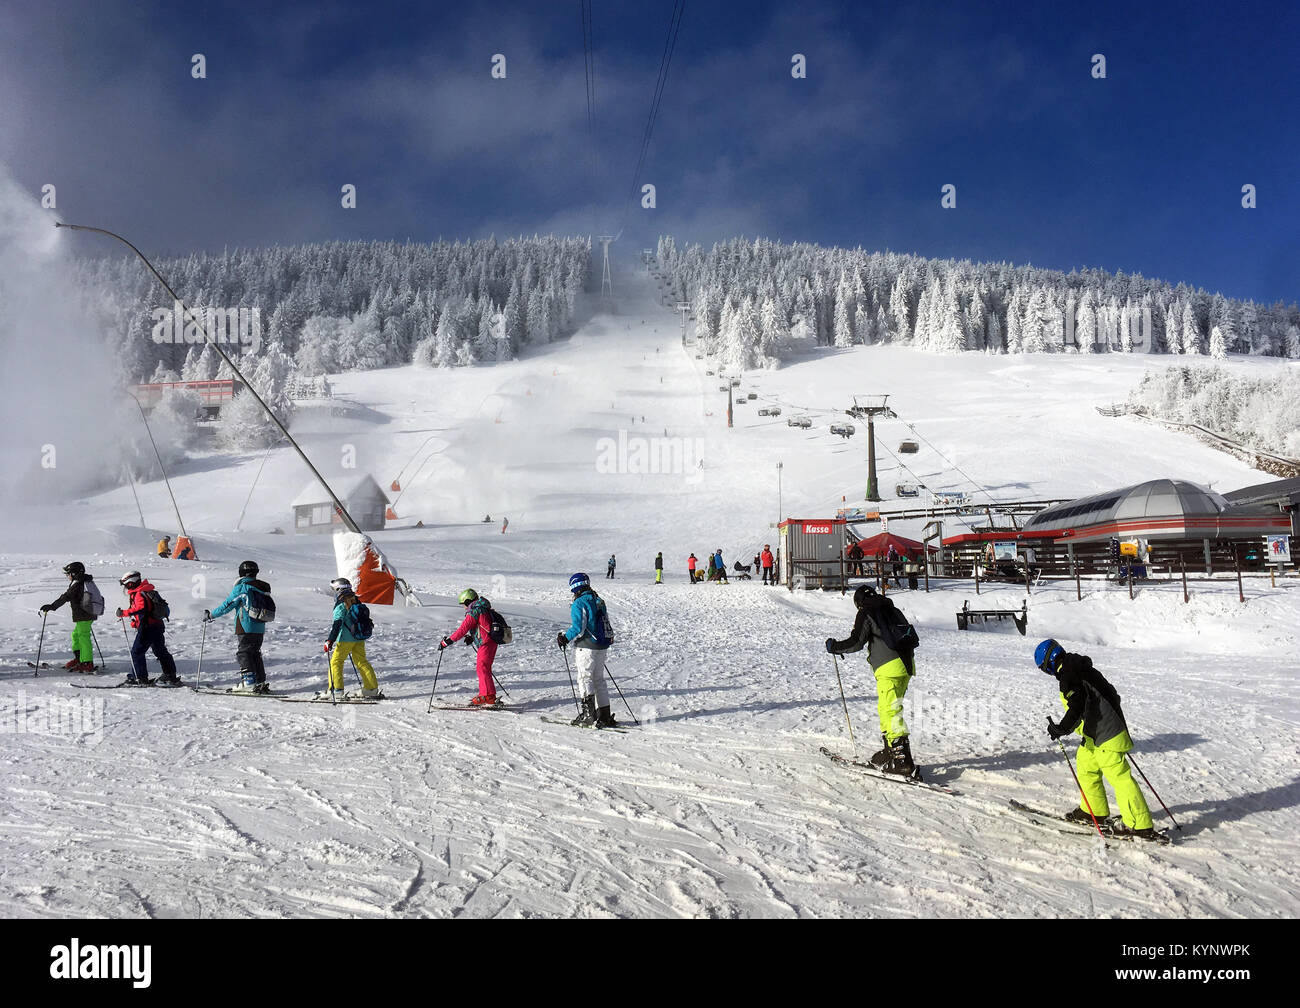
(609, 572)
(659, 568)
(347, 639)
(478, 624)
(893, 671)
(87, 603)
(150, 633)
(589, 632)
(1092, 708)
(250, 632)
(766, 558)
(690, 568)
(165, 547)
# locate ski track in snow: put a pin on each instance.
(174, 804)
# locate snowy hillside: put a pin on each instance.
(170, 803)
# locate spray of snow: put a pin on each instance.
(63, 426)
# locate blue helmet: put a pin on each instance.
(1047, 654)
(579, 582)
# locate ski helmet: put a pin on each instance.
(579, 582)
(862, 594)
(1047, 654)
(341, 584)
(467, 596)
(75, 568)
(130, 579)
(248, 569)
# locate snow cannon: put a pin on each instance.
(373, 579)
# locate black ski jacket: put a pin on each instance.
(866, 634)
(73, 595)
(1090, 700)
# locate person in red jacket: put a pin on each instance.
(767, 558)
(477, 622)
(150, 633)
(690, 568)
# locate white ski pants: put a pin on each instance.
(591, 674)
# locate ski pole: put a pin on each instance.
(1177, 824)
(203, 638)
(497, 683)
(620, 695)
(40, 645)
(836, 662)
(1086, 804)
(435, 680)
(572, 688)
(95, 640)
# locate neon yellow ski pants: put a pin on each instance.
(891, 687)
(356, 650)
(1107, 760)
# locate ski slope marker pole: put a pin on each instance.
(620, 695)
(40, 645)
(1086, 804)
(1177, 824)
(836, 662)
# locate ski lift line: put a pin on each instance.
(965, 475)
(670, 44)
(917, 481)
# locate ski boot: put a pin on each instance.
(74, 665)
(1079, 815)
(372, 694)
(880, 760)
(587, 716)
(86, 667)
(1117, 828)
(604, 719)
(262, 688)
(900, 759)
(484, 700)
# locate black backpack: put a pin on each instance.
(897, 633)
(498, 629)
(158, 607)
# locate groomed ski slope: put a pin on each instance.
(169, 803)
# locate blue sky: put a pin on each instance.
(1141, 171)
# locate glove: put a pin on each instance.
(119, 614)
(207, 615)
(830, 645)
(327, 647)
(1055, 730)
(561, 641)
(445, 642)
(46, 608)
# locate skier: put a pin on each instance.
(893, 672)
(609, 573)
(84, 597)
(249, 631)
(505, 524)
(165, 547)
(346, 641)
(690, 568)
(590, 634)
(478, 624)
(766, 557)
(659, 568)
(1092, 708)
(150, 633)
(720, 566)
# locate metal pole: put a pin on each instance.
(873, 490)
(343, 511)
(1236, 562)
(620, 695)
(435, 679)
(1086, 804)
(40, 645)
(161, 468)
(572, 688)
(1177, 824)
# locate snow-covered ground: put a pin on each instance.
(170, 803)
